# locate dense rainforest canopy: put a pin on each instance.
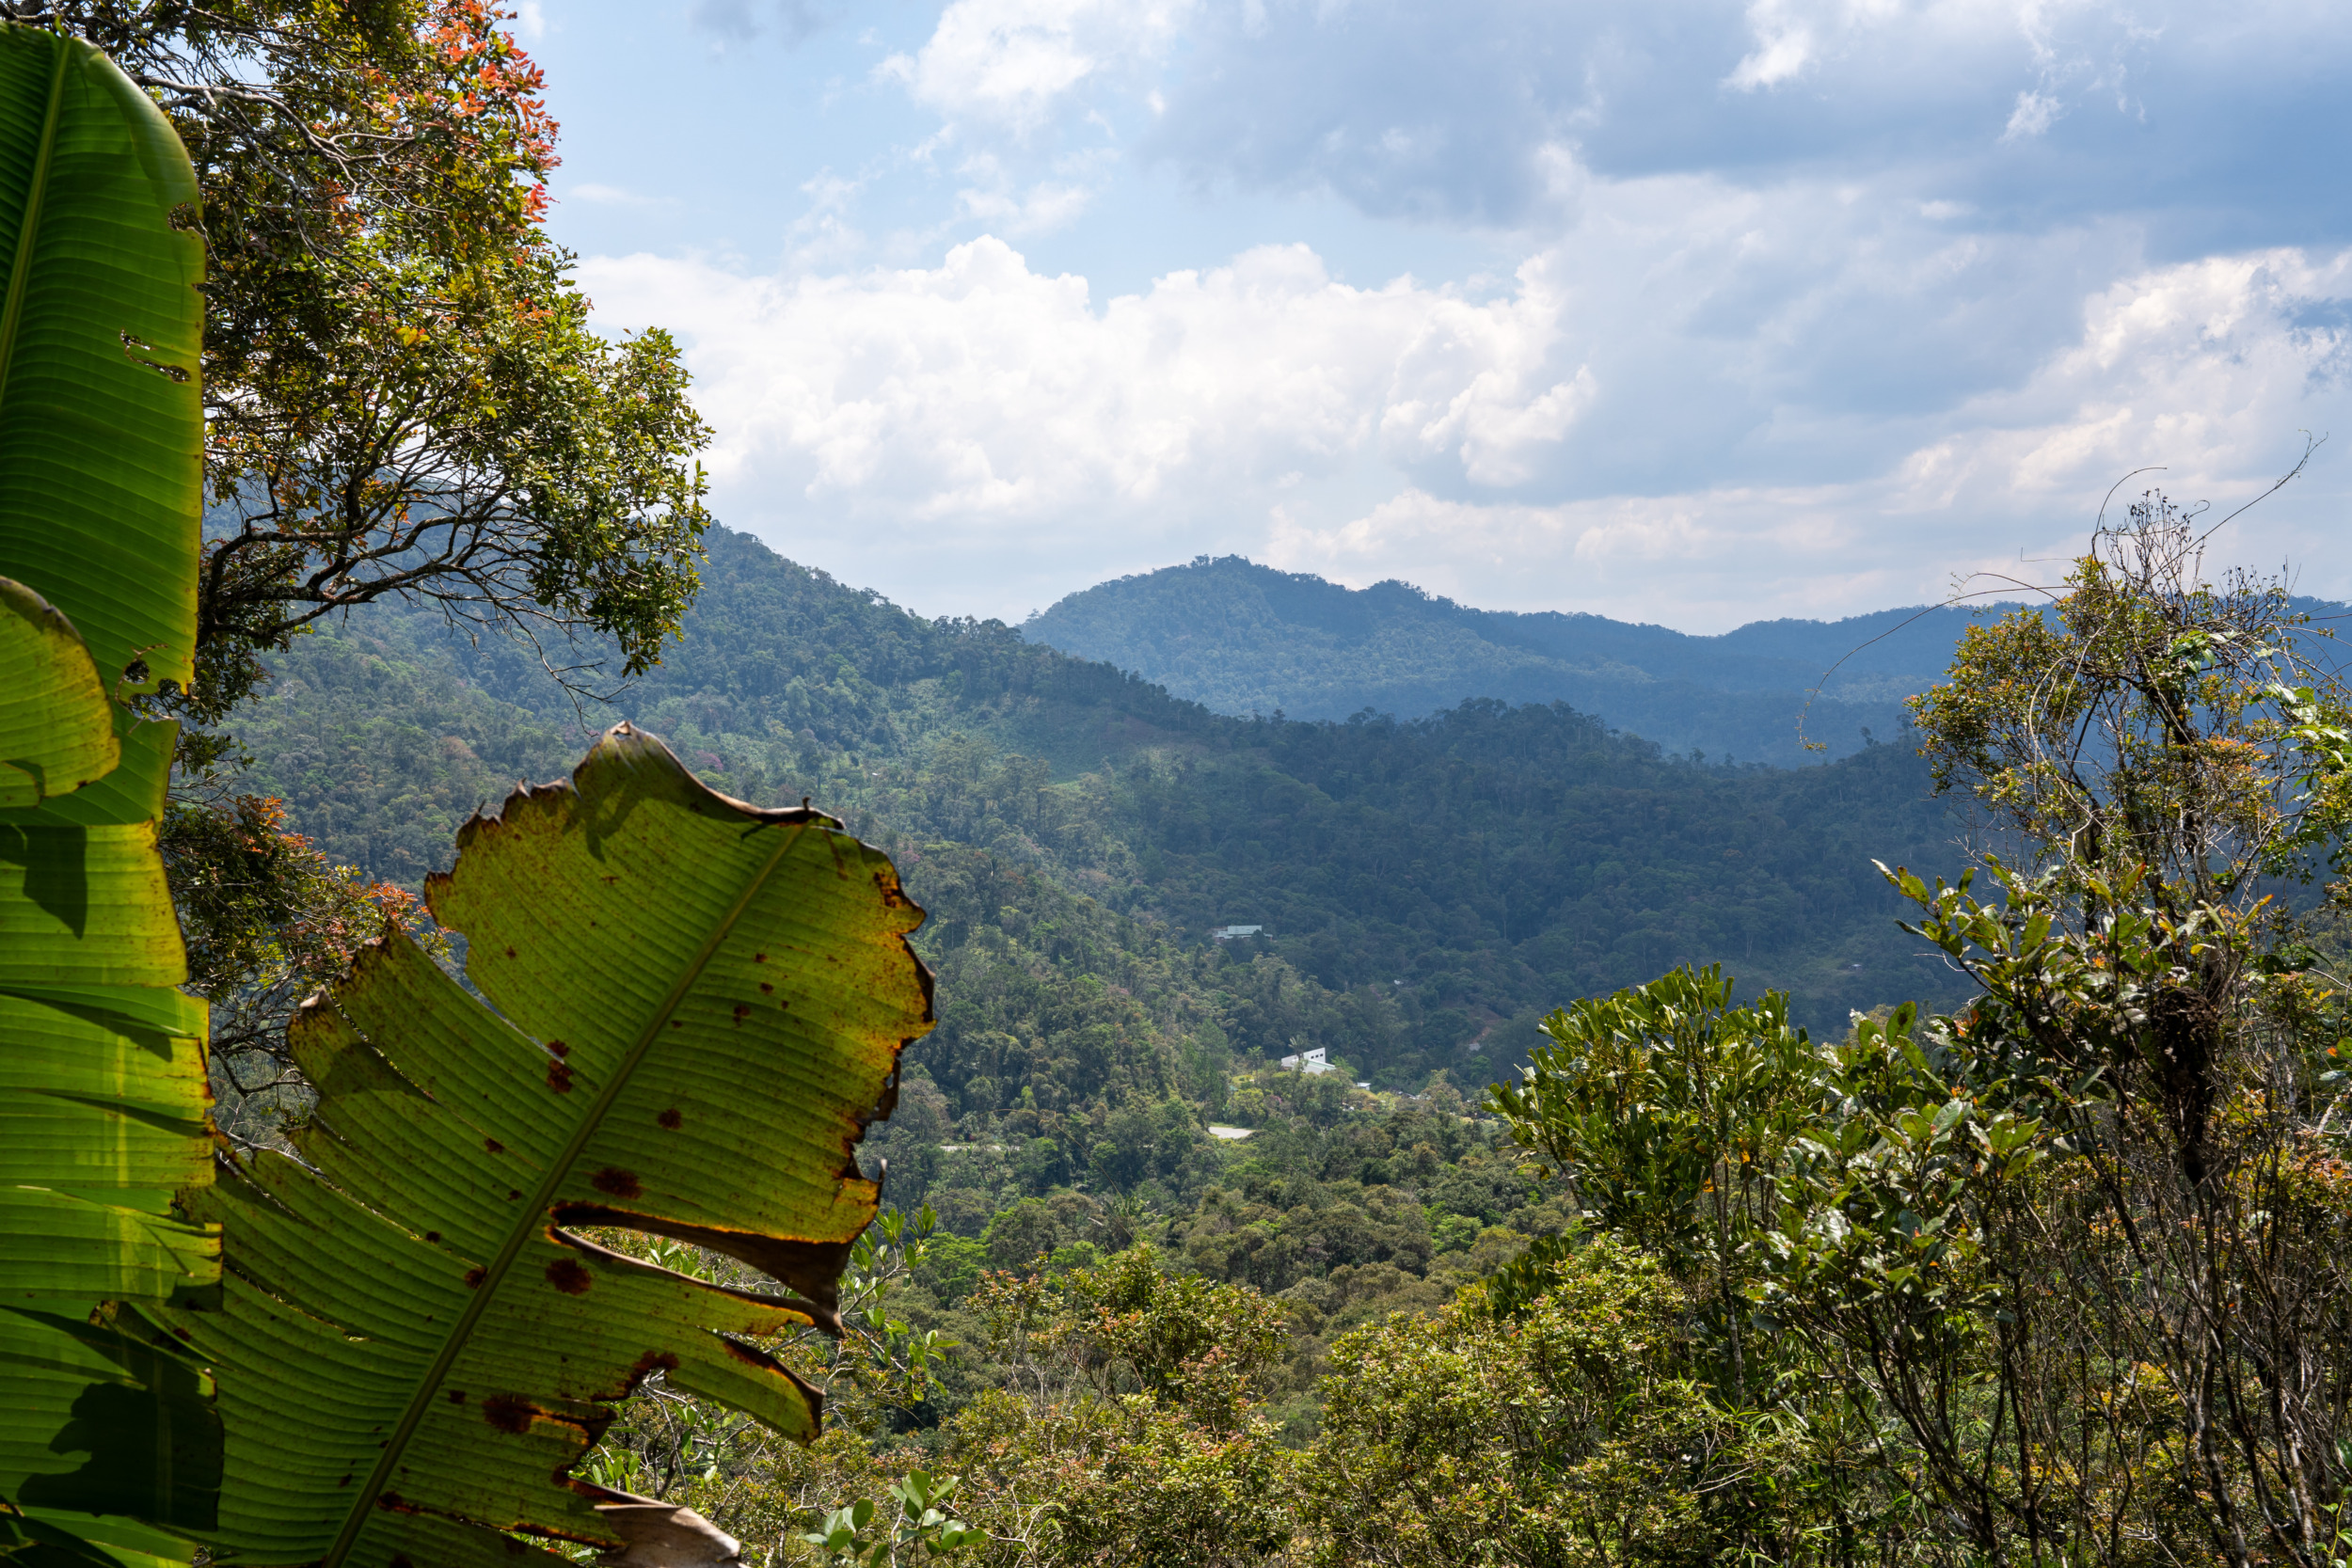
(1667, 1299)
(1428, 886)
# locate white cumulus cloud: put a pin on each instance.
(981, 438)
(2209, 371)
(1733, 308)
(981, 389)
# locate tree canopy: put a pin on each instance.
(403, 398)
(403, 392)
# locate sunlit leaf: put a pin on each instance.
(101, 1074)
(699, 1007)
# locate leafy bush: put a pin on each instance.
(1570, 1433)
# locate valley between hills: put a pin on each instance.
(1084, 807)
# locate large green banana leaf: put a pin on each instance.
(103, 1099)
(100, 426)
(103, 1090)
(696, 1007)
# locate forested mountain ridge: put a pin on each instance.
(1430, 887)
(1238, 638)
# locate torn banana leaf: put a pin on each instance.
(102, 1099)
(103, 1090)
(695, 1008)
(101, 428)
(102, 1103)
(56, 727)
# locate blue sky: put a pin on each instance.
(1696, 313)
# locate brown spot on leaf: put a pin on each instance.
(677, 1023)
(513, 1193)
(457, 1396)
(566, 1275)
(652, 1361)
(671, 1119)
(474, 1278)
(619, 1182)
(185, 1335)
(433, 1236)
(510, 952)
(743, 1011)
(509, 1412)
(558, 1049)
(559, 1077)
(759, 958)
(494, 1147)
(767, 990)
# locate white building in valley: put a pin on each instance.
(1312, 1064)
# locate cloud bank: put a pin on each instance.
(1809, 305)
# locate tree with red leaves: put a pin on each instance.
(404, 395)
(269, 919)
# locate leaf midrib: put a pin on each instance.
(535, 1210)
(28, 231)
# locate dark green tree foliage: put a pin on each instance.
(1126, 1429)
(380, 746)
(1059, 1004)
(2075, 1256)
(1674, 1111)
(1570, 1433)
(1426, 885)
(1492, 858)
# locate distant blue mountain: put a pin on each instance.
(1241, 638)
